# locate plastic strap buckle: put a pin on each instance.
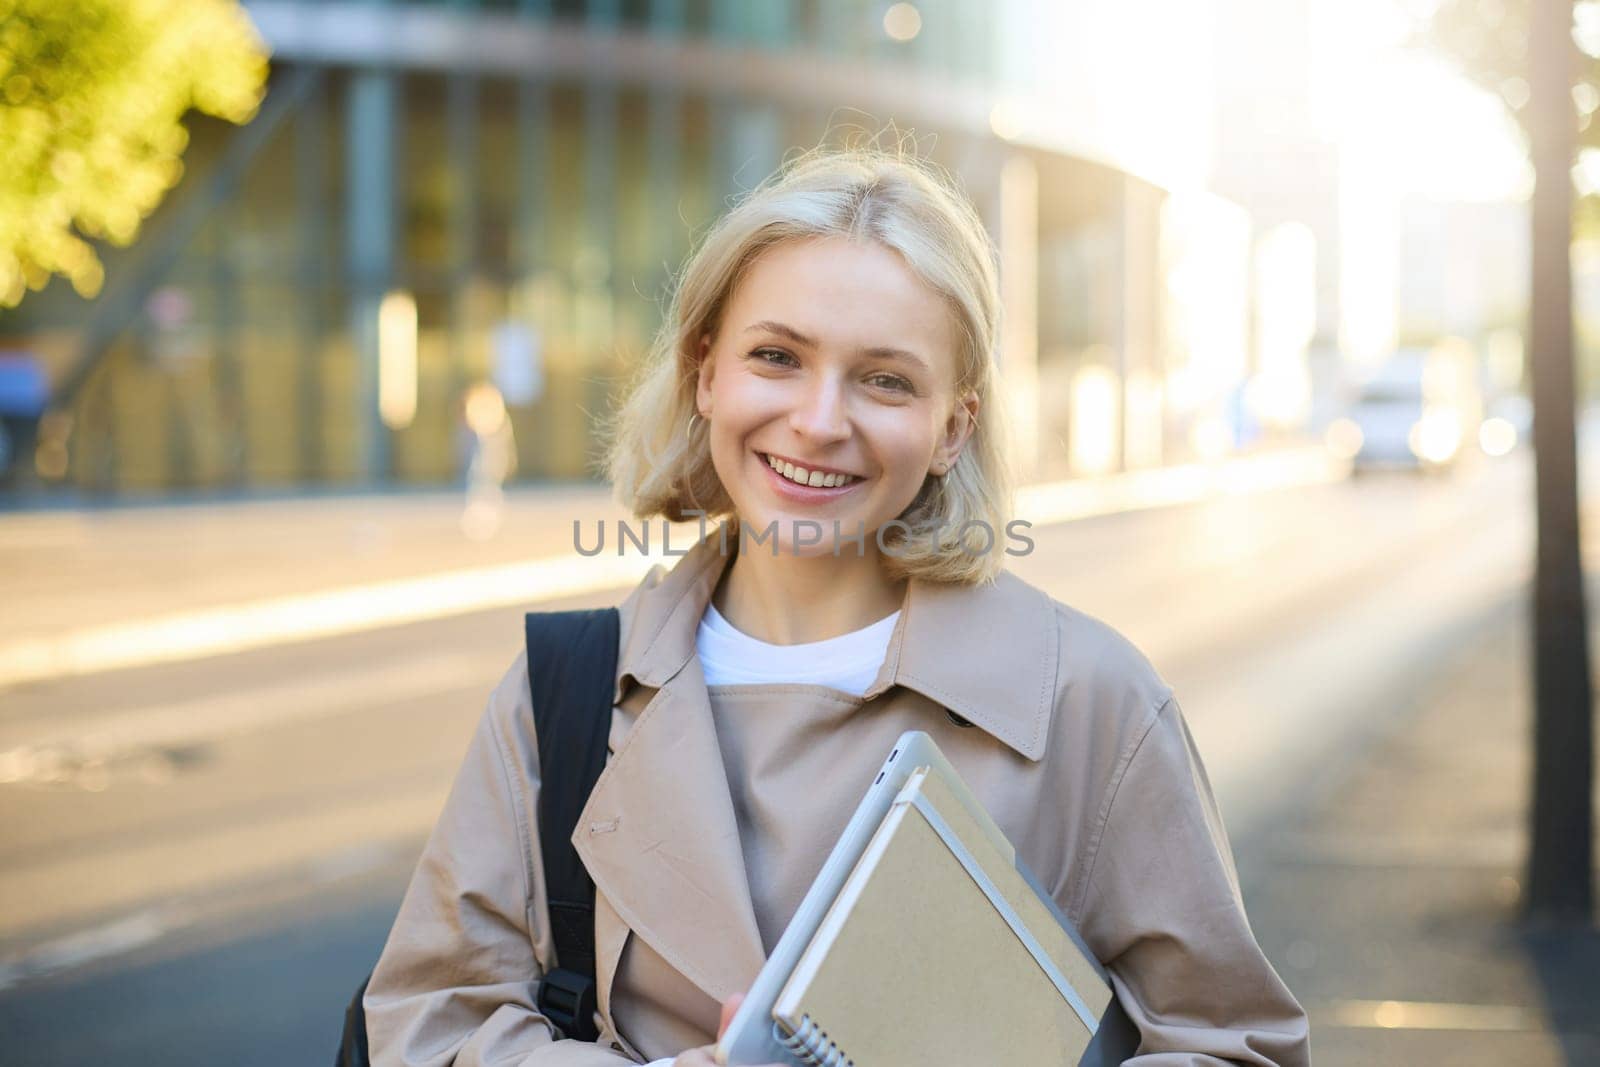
(567, 999)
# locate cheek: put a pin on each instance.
(738, 389)
(902, 435)
(747, 402)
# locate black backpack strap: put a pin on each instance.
(572, 670)
(353, 1042)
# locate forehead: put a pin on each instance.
(848, 295)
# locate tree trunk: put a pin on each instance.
(1560, 866)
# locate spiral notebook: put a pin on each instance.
(901, 946)
(938, 950)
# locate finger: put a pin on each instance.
(730, 1008)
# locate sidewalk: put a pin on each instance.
(98, 589)
(1388, 903)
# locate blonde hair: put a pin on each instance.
(903, 203)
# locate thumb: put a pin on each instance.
(729, 1008)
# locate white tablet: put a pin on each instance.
(750, 1037)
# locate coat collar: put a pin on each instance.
(659, 834)
(1003, 679)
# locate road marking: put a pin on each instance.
(123, 934)
(109, 939)
(51, 755)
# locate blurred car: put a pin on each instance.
(1419, 410)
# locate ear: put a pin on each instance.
(957, 429)
(705, 368)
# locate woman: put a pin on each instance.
(836, 329)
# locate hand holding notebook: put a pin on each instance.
(705, 1055)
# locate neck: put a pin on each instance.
(791, 600)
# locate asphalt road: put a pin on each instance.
(200, 861)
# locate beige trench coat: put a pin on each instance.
(1071, 740)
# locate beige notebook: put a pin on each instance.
(937, 950)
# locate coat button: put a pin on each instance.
(958, 720)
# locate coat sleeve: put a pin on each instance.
(455, 983)
(1163, 909)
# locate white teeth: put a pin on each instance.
(805, 477)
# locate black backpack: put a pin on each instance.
(572, 665)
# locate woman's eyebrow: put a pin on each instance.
(799, 338)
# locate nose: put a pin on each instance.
(820, 413)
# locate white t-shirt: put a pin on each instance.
(849, 662)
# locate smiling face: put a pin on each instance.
(832, 357)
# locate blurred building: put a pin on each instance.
(440, 194)
(1464, 267)
(1276, 156)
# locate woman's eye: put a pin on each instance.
(892, 381)
(772, 355)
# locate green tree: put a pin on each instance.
(92, 99)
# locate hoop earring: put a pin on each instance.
(688, 430)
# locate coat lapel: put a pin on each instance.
(659, 835)
(988, 652)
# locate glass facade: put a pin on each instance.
(532, 213)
